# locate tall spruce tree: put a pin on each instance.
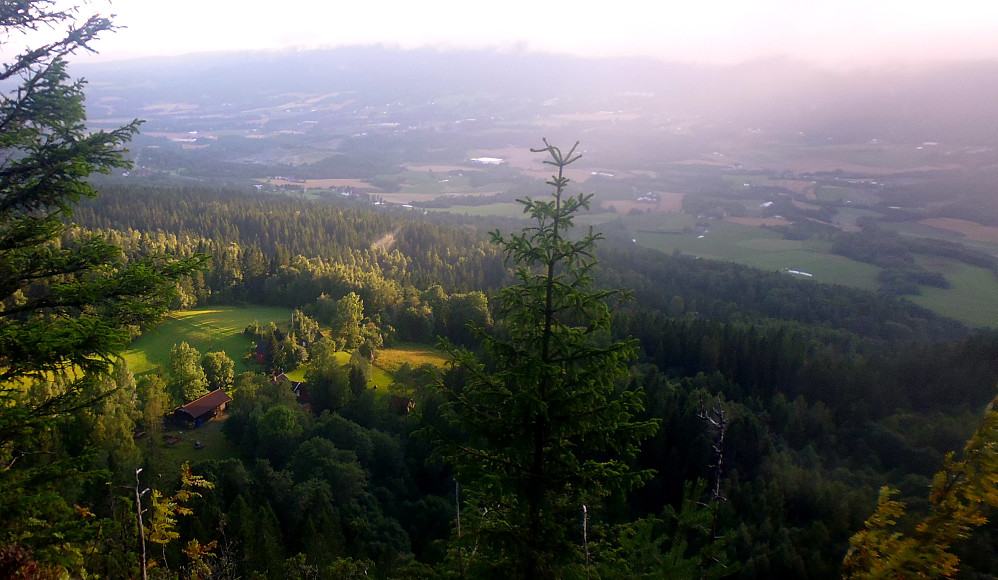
(66, 307)
(541, 428)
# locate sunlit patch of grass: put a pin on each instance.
(297, 375)
(206, 329)
(416, 355)
(380, 379)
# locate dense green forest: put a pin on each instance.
(606, 412)
(827, 394)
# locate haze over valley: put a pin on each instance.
(767, 163)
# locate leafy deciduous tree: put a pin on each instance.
(163, 520)
(153, 401)
(346, 323)
(278, 429)
(219, 370)
(187, 378)
(305, 327)
(959, 493)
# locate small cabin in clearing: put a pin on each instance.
(202, 409)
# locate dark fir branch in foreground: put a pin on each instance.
(66, 312)
(540, 432)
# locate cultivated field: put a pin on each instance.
(869, 159)
(509, 209)
(756, 222)
(972, 230)
(532, 164)
(804, 188)
(438, 168)
(668, 202)
(403, 197)
(763, 249)
(324, 183)
(970, 298)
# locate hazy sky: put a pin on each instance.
(832, 32)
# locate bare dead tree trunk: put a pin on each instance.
(585, 536)
(717, 419)
(138, 513)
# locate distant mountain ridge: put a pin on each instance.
(952, 103)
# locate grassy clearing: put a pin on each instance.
(514, 210)
(826, 268)
(390, 359)
(165, 460)
(971, 297)
(206, 329)
(220, 329)
(380, 379)
(832, 193)
(767, 250)
(298, 375)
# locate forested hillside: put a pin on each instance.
(829, 392)
(559, 403)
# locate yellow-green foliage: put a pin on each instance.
(959, 493)
(163, 520)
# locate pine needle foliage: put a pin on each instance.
(542, 426)
(69, 300)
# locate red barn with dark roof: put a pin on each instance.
(202, 409)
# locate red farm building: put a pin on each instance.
(202, 409)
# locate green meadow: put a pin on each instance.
(220, 329)
(298, 375)
(764, 249)
(390, 359)
(206, 329)
(970, 298)
(503, 209)
(386, 363)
